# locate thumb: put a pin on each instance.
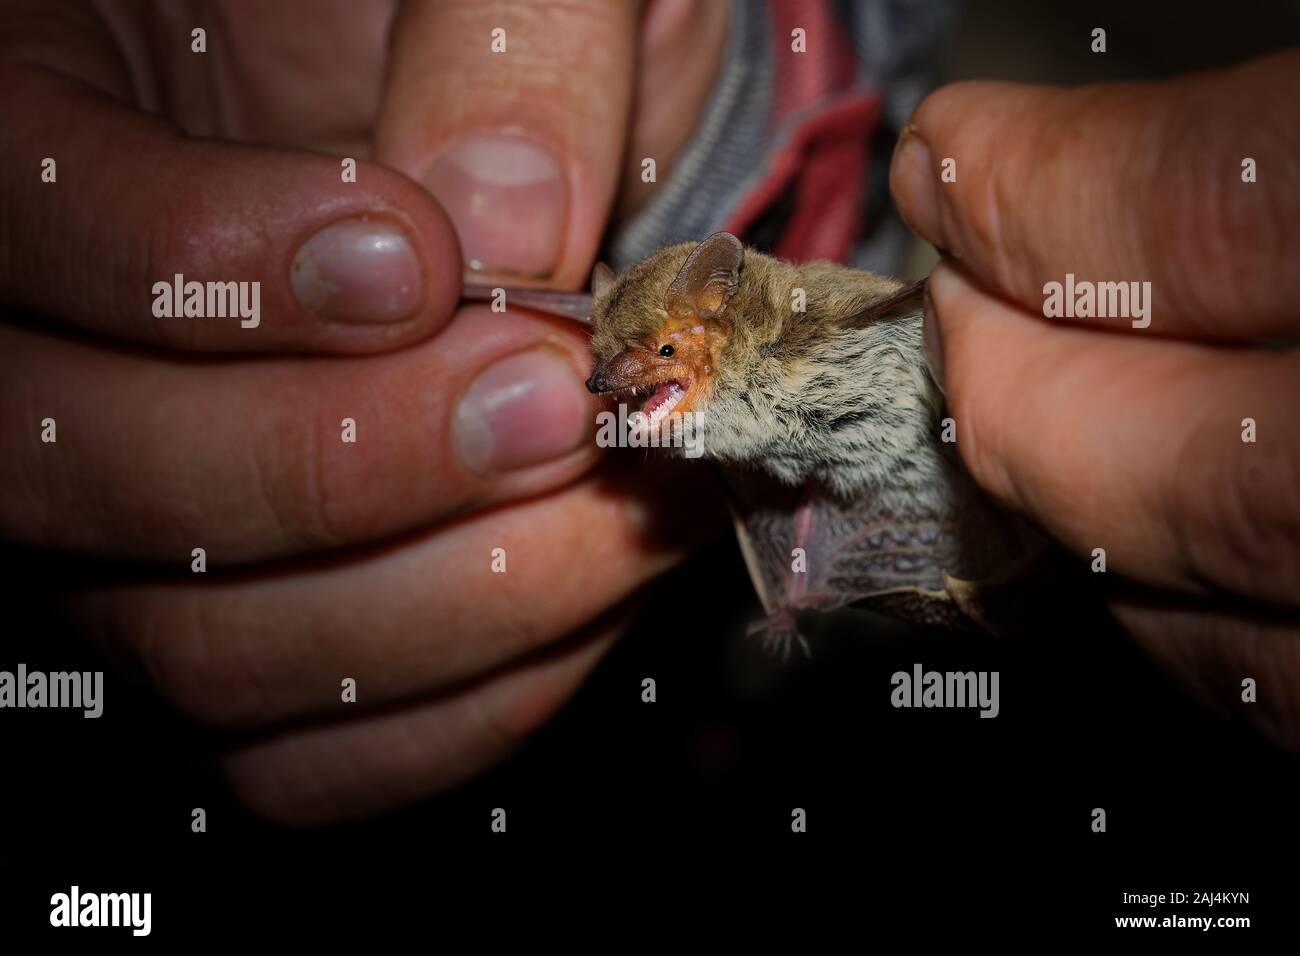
(514, 117)
(1150, 181)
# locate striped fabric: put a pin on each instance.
(792, 151)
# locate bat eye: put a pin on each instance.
(666, 350)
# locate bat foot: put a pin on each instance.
(779, 632)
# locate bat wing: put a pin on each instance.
(808, 550)
(904, 302)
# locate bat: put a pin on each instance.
(806, 384)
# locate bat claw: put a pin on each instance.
(779, 632)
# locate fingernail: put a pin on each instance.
(358, 270)
(912, 182)
(932, 342)
(525, 409)
(509, 200)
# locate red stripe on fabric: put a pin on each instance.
(824, 162)
(828, 204)
(828, 66)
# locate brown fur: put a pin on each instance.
(802, 395)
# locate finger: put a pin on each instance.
(404, 620)
(522, 146)
(1123, 183)
(1131, 445)
(358, 767)
(1245, 666)
(681, 46)
(154, 457)
(274, 250)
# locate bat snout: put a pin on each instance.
(615, 374)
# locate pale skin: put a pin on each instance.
(373, 561)
(1121, 438)
(326, 560)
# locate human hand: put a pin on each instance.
(326, 559)
(1134, 439)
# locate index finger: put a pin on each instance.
(1176, 459)
(1190, 186)
(528, 165)
(198, 245)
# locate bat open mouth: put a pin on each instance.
(661, 392)
(665, 397)
(662, 399)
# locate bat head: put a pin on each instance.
(660, 326)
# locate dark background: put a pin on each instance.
(912, 814)
(917, 820)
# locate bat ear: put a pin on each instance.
(708, 278)
(602, 279)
